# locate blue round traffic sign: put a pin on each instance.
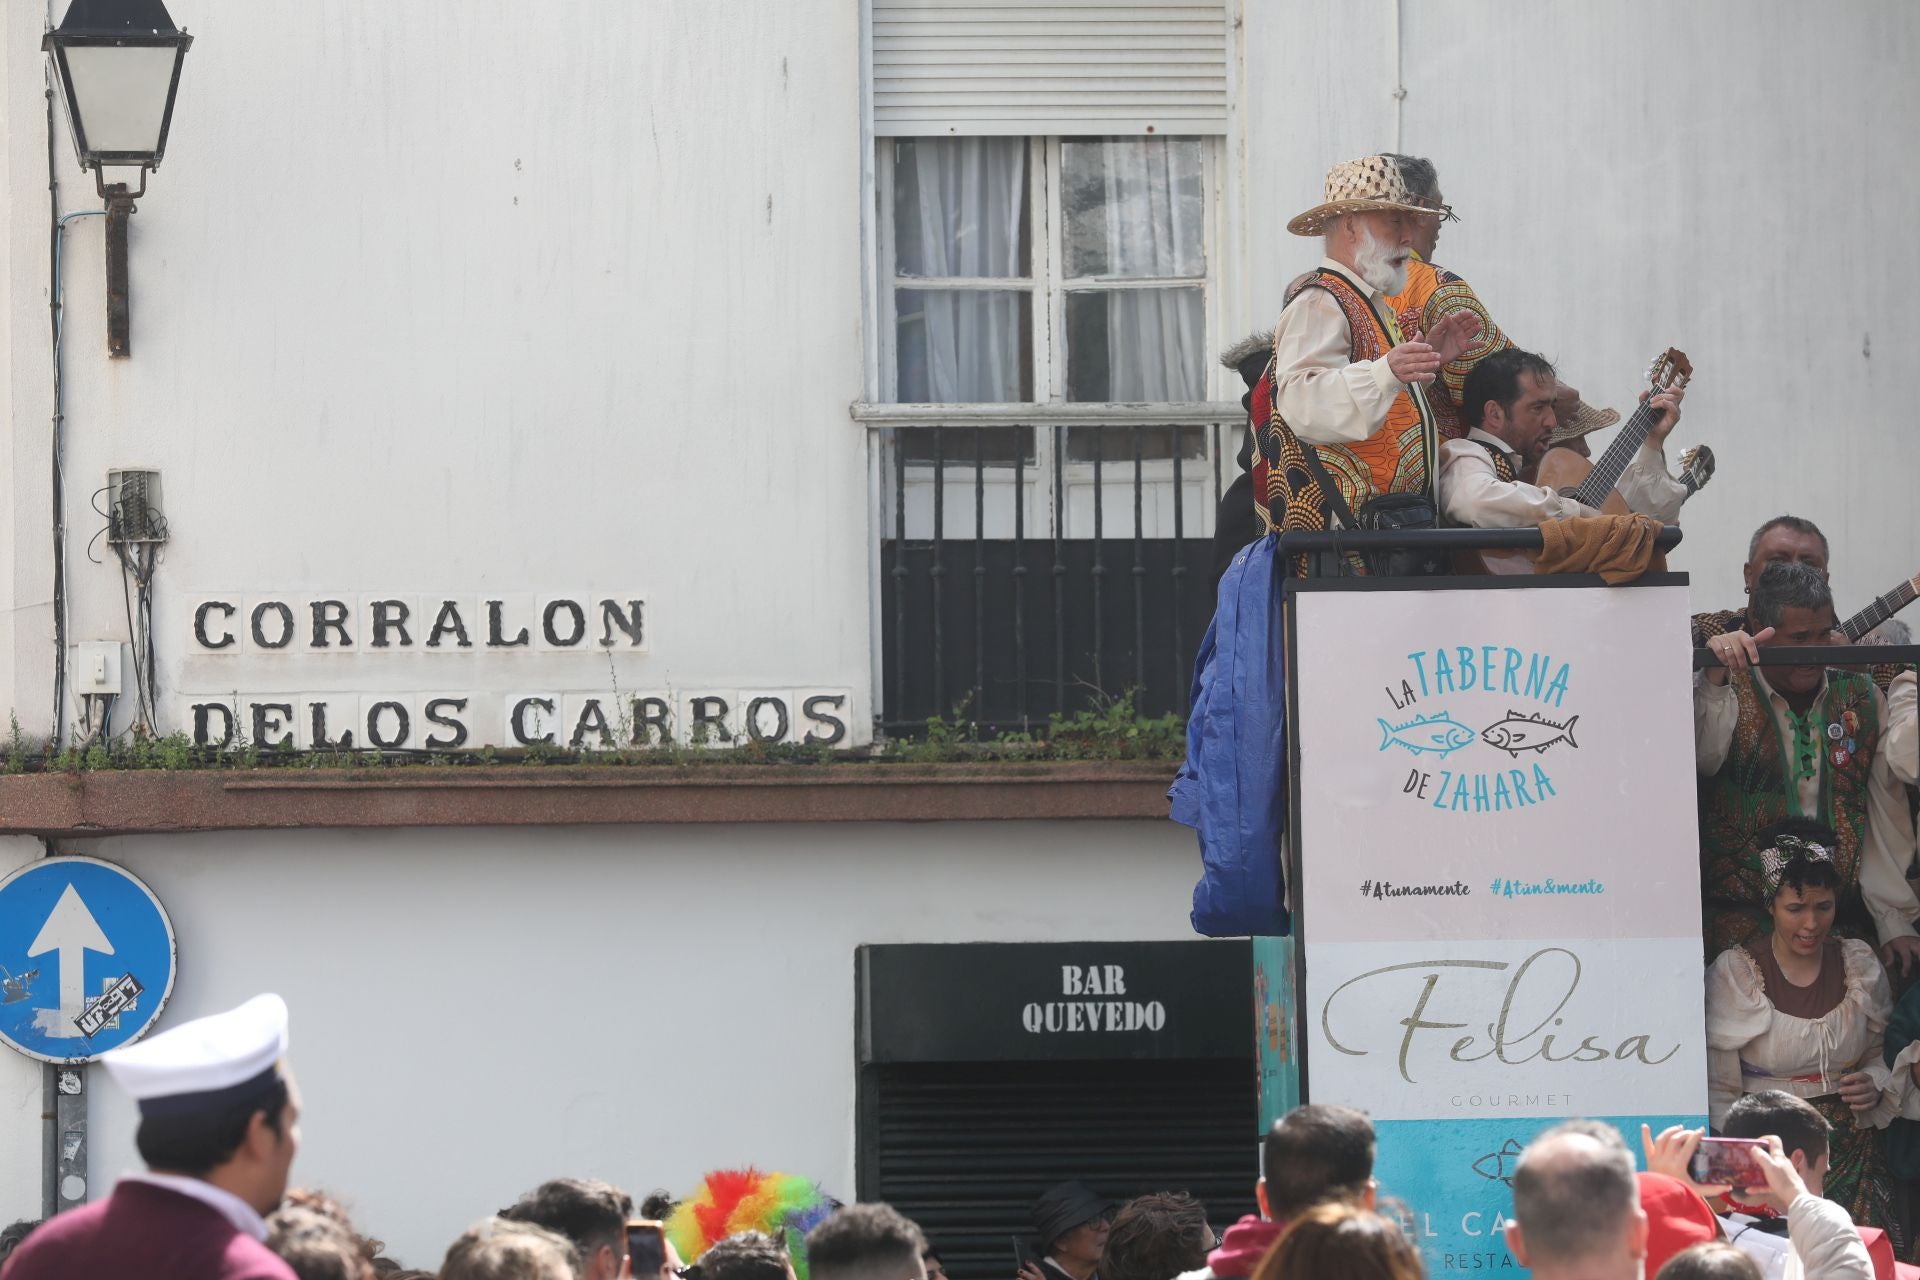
(86, 959)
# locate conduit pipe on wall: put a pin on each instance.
(1399, 77)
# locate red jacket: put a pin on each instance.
(146, 1231)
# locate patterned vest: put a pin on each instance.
(1755, 788)
(1502, 461)
(1432, 294)
(1391, 460)
(1708, 625)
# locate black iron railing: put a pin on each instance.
(1036, 567)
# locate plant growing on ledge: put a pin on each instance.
(1112, 729)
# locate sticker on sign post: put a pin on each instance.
(87, 959)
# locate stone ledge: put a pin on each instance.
(142, 801)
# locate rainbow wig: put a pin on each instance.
(734, 1200)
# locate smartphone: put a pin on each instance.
(646, 1248)
(1022, 1255)
(1727, 1162)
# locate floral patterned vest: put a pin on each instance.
(1756, 788)
(1393, 459)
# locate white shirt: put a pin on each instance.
(1326, 396)
(1473, 494)
(1769, 1250)
(243, 1216)
(1753, 1046)
(1889, 843)
(1821, 1243)
(1901, 740)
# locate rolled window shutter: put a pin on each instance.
(1052, 67)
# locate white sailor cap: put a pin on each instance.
(207, 1062)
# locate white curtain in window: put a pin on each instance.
(965, 220)
(1154, 336)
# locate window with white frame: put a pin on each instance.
(1044, 270)
(1044, 296)
(1052, 280)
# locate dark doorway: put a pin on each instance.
(963, 1149)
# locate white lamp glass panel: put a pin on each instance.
(120, 92)
(1136, 345)
(1133, 207)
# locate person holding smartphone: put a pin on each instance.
(1799, 1010)
(1783, 1187)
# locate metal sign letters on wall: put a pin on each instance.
(577, 704)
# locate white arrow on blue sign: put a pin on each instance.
(87, 959)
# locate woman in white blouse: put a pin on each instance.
(1800, 1010)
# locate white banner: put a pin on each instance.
(1446, 1029)
(1499, 892)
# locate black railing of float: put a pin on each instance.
(1441, 539)
(973, 653)
(1822, 655)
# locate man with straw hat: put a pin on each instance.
(1349, 420)
(1432, 293)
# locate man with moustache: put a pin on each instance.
(1798, 742)
(1781, 540)
(1508, 408)
(1348, 411)
(1430, 294)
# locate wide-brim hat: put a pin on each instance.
(1371, 184)
(1063, 1207)
(1584, 420)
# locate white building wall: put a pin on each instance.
(524, 298)
(1721, 177)
(476, 1011)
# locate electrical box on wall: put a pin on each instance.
(133, 507)
(96, 666)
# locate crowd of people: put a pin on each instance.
(1581, 1211)
(219, 1131)
(220, 1128)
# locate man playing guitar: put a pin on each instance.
(1508, 406)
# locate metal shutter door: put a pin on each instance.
(964, 1149)
(1056, 67)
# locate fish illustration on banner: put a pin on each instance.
(1438, 733)
(1534, 733)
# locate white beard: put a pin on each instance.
(1373, 261)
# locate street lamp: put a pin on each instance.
(119, 68)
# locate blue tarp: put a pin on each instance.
(1232, 789)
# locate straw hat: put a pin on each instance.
(1369, 184)
(1584, 420)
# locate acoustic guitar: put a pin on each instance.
(1591, 481)
(1882, 609)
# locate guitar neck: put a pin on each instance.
(1613, 463)
(1882, 609)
